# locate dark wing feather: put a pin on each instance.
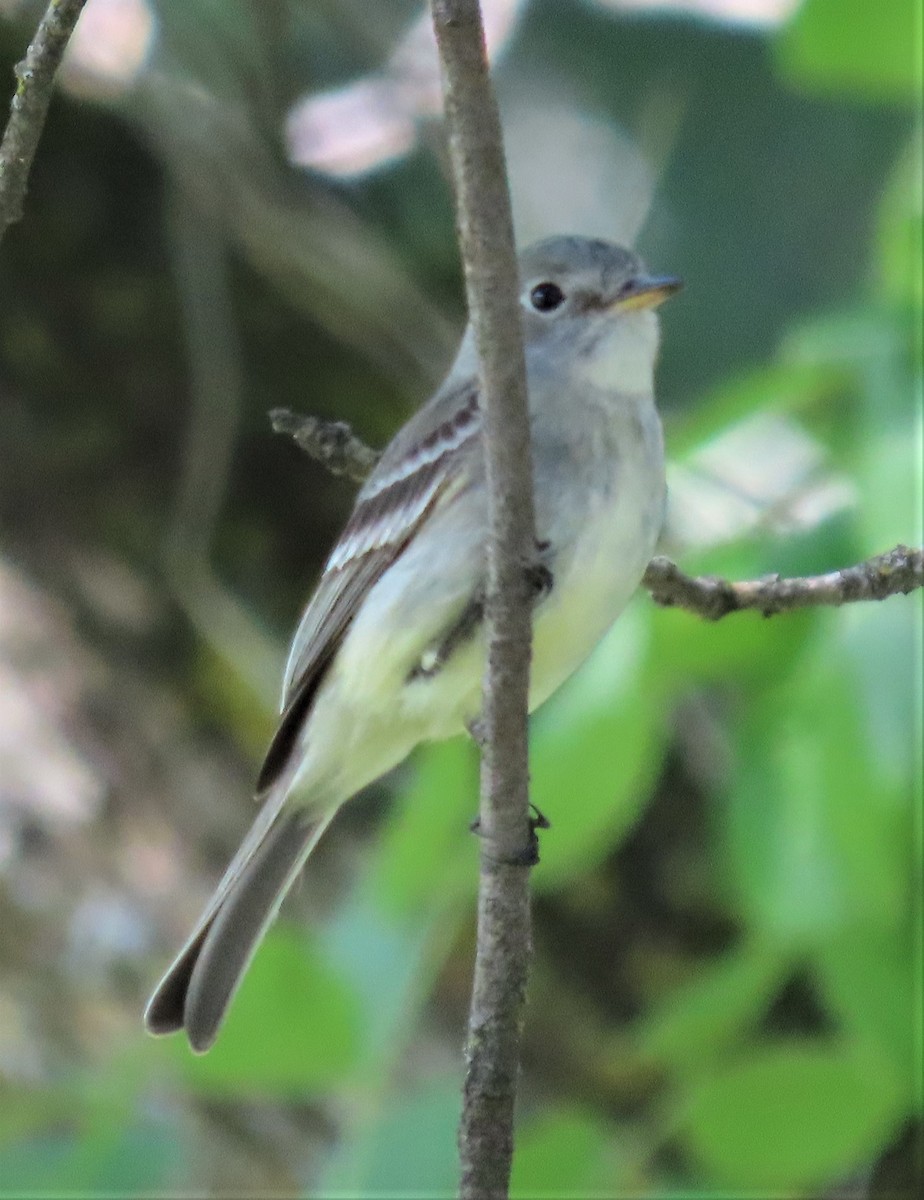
(416, 471)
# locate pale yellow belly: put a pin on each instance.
(368, 717)
(590, 590)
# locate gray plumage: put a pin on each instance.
(390, 649)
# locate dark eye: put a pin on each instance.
(546, 296)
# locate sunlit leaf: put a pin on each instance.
(882, 647)
(854, 48)
(428, 846)
(868, 979)
(562, 1153)
(900, 229)
(889, 436)
(688, 652)
(596, 750)
(791, 1116)
(813, 827)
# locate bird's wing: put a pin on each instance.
(422, 468)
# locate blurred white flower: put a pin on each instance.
(353, 129)
(571, 171)
(109, 47)
(765, 472)
(372, 121)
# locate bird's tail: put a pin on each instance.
(197, 989)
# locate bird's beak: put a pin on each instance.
(645, 291)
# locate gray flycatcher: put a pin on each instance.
(390, 651)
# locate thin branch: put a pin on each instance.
(29, 107)
(897, 572)
(504, 936)
(332, 443)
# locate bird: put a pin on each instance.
(390, 650)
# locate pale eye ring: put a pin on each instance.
(546, 297)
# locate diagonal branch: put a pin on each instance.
(897, 572)
(29, 107)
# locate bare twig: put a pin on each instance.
(35, 76)
(332, 443)
(491, 276)
(895, 573)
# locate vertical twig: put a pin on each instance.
(502, 962)
(35, 79)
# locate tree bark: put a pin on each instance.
(35, 80)
(504, 936)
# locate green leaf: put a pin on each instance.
(888, 440)
(292, 1029)
(900, 226)
(596, 750)
(778, 851)
(792, 1116)
(854, 47)
(428, 847)
(881, 647)
(703, 1018)
(562, 1153)
(877, 434)
(814, 827)
(688, 652)
(868, 980)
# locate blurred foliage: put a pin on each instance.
(869, 51)
(728, 983)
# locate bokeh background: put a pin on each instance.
(244, 204)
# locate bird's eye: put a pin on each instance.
(546, 296)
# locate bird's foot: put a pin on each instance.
(528, 856)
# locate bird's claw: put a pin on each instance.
(528, 856)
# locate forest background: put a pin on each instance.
(244, 205)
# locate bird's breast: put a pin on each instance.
(600, 506)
